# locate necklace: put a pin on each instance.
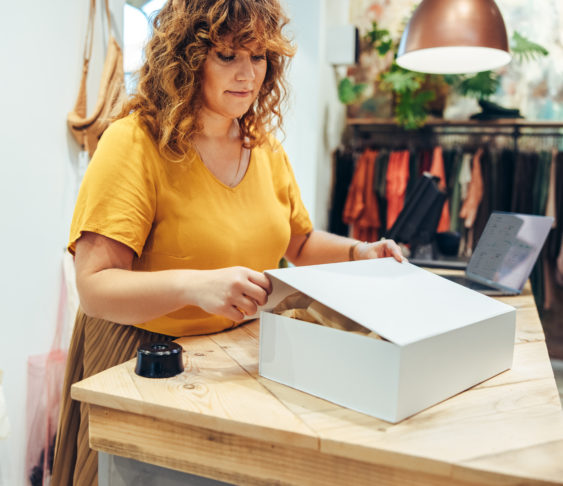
(234, 180)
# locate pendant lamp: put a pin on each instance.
(454, 37)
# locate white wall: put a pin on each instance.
(41, 46)
(313, 123)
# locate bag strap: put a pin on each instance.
(108, 15)
(81, 100)
(81, 106)
(88, 42)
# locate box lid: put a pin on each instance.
(399, 301)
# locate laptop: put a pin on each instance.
(505, 254)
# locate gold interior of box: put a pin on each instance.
(304, 308)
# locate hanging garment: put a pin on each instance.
(425, 160)
(505, 179)
(378, 186)
(455, 197)
(452, 162)
(464, 179)
(343, 173)
(397, 179)
(540, 287)
(492, 157)
(554, 244)
(474, 193)
(361, 209)
(550, 295)
(437, 169)
(380, 175)
(541, 182)
(485, 207)
(87, 130)
(550, 204)
(465, 175)
(414, 172)
(530, 196)
(524, 175)
(417, 222)
(559, 268)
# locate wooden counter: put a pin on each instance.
(221, 420)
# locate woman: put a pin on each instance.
(187, 200)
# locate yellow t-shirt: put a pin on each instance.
(178, 215)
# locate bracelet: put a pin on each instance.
(351, 251)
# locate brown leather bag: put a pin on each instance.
(87, 130)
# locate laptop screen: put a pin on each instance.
(507, 249)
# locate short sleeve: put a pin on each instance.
(300, 221)
(117, 197)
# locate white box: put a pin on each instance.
(442, 338)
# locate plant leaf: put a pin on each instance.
(480, 85)
(401, 80)
(350, 92)
(410, 110)
(380, 39)
(453, 79)
(524, 49)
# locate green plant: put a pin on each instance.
(414, 92)
(406, 87)
(375, 39)
(484, 84)
(480, 85)
(526, 50)
(379, 40)
(350, 92)
(411, 99)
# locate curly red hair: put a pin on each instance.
(168, 96)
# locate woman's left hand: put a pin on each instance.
(379, 249)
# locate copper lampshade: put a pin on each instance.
(454, 36)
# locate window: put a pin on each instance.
(136, 31)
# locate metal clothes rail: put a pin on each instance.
(518, 133)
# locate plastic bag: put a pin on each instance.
(45, 375)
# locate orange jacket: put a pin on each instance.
(397, 179)
(361, 209)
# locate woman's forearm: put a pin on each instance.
(323, 247)
(129, 297)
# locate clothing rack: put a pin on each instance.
(519, 160)
(364, 132)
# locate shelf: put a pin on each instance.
(440, 122)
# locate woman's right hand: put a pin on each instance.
(233, 292)
(109, 289)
